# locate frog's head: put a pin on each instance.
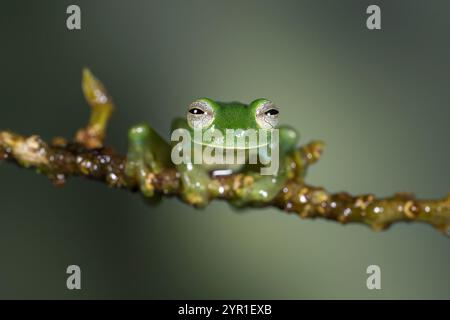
(208, 116)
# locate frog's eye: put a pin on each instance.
(196, 111)
(271, 112)
(200, 114)
(267, 115)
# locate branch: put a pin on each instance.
(86, 157)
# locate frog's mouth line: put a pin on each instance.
(221, 146)
(238, 139)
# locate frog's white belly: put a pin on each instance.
(225, 169)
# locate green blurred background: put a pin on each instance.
(380, 100)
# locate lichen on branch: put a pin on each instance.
(87, 157)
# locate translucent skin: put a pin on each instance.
(148, 152)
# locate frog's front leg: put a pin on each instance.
(195, 181)
(258, 189)
(261, 187)
(147, 153)
(194, 177)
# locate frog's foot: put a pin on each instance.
(147, 154)
(195, 181)
(257, 189)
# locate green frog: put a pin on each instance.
(204, 128)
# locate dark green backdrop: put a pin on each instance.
(380, 100)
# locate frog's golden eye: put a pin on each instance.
(200, 114)
(267, 115)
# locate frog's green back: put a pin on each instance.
(234, 115)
